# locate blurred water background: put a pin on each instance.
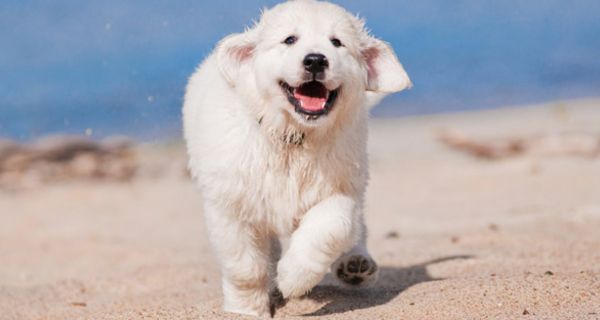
(119, 67)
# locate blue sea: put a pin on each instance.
(119, 67)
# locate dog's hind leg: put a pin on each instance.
(325, 232)
(244, 254)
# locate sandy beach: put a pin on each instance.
(459, 234)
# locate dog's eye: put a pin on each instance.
(336, 42)
(290, 40)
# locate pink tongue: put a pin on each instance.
(311, 103)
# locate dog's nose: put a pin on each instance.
(315, 63)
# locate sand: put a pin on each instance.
(456, 236)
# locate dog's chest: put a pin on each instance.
(283, 186)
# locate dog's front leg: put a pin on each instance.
(325, 232)
(244, 253)
(356, 268)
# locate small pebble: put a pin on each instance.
(392, 235)
(79, 304)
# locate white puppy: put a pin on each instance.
(276, 128)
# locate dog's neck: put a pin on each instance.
(282, 131)
(289, 137)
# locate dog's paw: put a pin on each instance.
(356, 270)
(276, 301)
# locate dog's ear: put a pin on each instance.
(385, 72)
(233, 52)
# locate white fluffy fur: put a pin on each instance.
(256, 185)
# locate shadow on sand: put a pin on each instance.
(392, 281)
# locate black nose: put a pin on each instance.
(315, 63)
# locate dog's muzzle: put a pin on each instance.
(311, 99)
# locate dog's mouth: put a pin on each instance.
(311, 99)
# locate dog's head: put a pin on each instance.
(309, 60)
